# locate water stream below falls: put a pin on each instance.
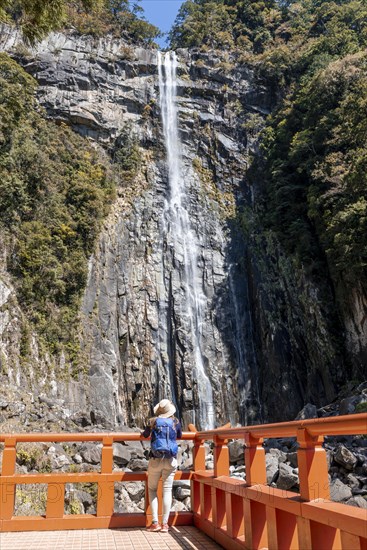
(180, 237)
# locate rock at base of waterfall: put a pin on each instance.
(287, 478)
(339, 491)
(345, 458)
(308, 411)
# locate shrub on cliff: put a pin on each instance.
(311, 54)
(55, 190)
(37, 18)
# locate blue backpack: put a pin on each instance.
(163, 441)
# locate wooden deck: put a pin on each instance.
(177, 538)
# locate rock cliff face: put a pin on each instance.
(266, 338)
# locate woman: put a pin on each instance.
(164, 429)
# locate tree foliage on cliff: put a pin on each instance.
(55, 190)
(36, 18)
(312, 55)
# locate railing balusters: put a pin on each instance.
(106, 489)
(254, 460)
(7, 491)
(55, 500)
(312, 465)
(221, 457)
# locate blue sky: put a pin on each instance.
(161, 13)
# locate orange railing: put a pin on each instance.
(239, 514)
(250, 514)
(54, 518)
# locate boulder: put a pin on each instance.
(181, 493)
(280, 455)
(308, 411)
(345, 458)
(236, 450)
(60, 461)
(339, 491)
(135, 490)
(292, 458)
(348, 405)
(272, 467)
(121, 454)
(92, 453)
(138, 464)
(353, 482)
(358, 501)
(287, 478)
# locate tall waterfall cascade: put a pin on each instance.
(179, 235)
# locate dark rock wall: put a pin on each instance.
(268, 341)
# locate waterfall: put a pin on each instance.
(182, 239)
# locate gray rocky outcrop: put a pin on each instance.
(267, 334)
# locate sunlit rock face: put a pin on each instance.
(266, 342)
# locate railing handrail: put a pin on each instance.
(355, 424)
(36, 437)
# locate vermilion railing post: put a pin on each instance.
(312, 465)
(254, 460)
(107, 455)
(55, 500)
(105, 498)
(198, 455)
(198, 465)
(221, 457)
(255, 513)
(148, 509)
(7, 491)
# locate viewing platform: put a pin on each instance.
(177, 538)
(234, 513)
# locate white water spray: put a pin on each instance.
(181, 236)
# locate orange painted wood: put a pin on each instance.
(256, 535)
(147, 507)
(198, 465)
(312, 465)
(87, 436)
(304, 533)
(238, 516)
(222, 538)
(87, 521)
(350, 542)
(347, 518)
(195, 496)
(229, 515)
(254, 460)
(159, 496)
(206, 508)
(351, 424)
(219, 508)
(7, 500)
(271, 521)
(323, 536)
(287, 531)
(223, 507)
(55, 500)
(107, 455)
(87, 477)
(198, 456)
(9, 456)
(221, 457)
(105, 498)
